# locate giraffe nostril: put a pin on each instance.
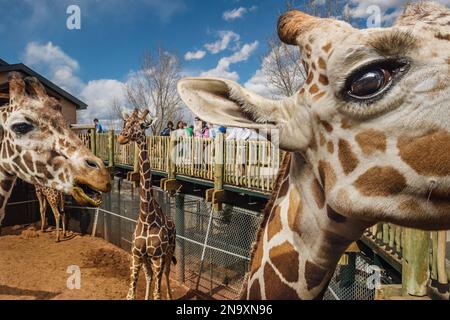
(91, 164)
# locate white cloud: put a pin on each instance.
(54, 63)
(237, 13)
(226, 38)
(194, 55)
(100, 96)
(222, 70)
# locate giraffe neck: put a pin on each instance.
(146, 194)
(303, 230)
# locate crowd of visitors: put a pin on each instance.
(202, 129)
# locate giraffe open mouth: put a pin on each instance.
(85, 195)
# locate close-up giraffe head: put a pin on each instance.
(371, 119)
(38, 146)
(135, 126)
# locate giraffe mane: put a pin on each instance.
(285, 165)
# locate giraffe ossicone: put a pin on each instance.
(368, 136)
(154, 238)
(38, 147)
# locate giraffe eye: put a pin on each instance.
(373, 80)
(369, 83)
(22, 128)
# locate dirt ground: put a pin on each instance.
(33, 266)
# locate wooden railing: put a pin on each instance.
(247, 164)
(420, 255)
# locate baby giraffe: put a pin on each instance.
(56, 200)
(154, 238)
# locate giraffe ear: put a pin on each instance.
(224, 102)
(125, 115)
(35, 88)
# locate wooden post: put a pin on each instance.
(93, 137)
(171, 162)
(219, 161)
(441, 268)
(415, 266)
(111, 148)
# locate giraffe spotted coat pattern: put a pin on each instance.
(56, 201)
(38, 147)
(367, 137)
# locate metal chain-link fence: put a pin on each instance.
(213, 248)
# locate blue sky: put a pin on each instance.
(228, 38)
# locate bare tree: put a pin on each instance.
(282, 67)
(154, 87)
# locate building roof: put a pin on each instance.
(5, 67)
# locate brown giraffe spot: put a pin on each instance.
(345, 124)
(6, 184)
(284, 188)
(274, 225)
(321, 139)
(322, 64)
(327, 47)
(310, 78)
(318, 194)
(313, 89)
(441, 36)
(28, 160)
(380, 181)
(348, 159)
(428, 155)
(255, 291)
(319, 95)
(323, 80)
(275, 288)
(327, 126)
(327, 175)
(336, 217)
(279, 255)
(313, 144)
(313, 65)
(2, 201)
(302, 91)
(330, 147)
(314, 275)
(295, 207)
(257, 258)
(371, 140)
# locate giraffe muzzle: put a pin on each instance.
(85, 194)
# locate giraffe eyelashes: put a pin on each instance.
(22, 128)
(370, 82)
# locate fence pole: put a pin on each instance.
(179, 225)
(415, 266)
(93, 137)
(218, 161)
(111, 148)
(171, 165)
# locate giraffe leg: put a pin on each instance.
(167, 276)
(57, 219)
(42, 209)
(135, 268)
(158, 269)
(148, 277)
(63, 214)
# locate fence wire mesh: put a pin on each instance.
(213, 248)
